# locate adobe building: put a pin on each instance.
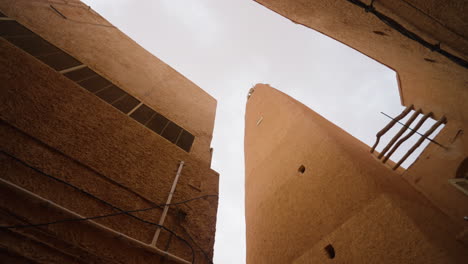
(94, 126)
(315, 194)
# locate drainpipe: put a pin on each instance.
(34, 198)
(166, 207)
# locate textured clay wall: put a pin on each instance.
(50, 123)
(88, 37)
(439, 86)
(431, 172)
(345, 198)
(427, 79)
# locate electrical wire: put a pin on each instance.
(128, 213)
(431, 140)
(104, 216)
(409, 34)
(201, 249)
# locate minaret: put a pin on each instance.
(314, 194)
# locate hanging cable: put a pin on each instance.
(128, 213)
(409, 34)
(104, 216)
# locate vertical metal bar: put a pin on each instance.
(166, 207)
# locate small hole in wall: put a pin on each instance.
(380, 33)
(330, 251)
(430, 60)
(181, 215)
(301, 169)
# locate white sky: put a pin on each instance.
(226, 47)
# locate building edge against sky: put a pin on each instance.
(345, 192)
(428, 81)
(314, 194)
(93, 124)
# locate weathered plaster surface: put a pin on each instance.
(95, 42)
(426, 79)
(58, 127)
(344, 196)
(439, 87)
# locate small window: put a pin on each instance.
(172, 132)
(301, 169)
(143, 114)
(158, 123)
(185, 140)
(126, 104)
(111, 94)
(330, 251)
(81, 75)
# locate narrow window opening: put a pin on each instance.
(330, 251)
(301, 169)
(430, 60)
(380, 33)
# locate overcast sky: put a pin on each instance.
(226, 47)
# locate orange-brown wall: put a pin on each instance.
(345, 197)
(56, 126)
(441, 86)
(92, 40)
(427, 80)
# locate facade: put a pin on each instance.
(349, 198)
(94, 126)
(315, 194)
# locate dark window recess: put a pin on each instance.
(143, 114)
(430, 60)
(126, 104)
(111, 94)
(380, 33)
(185, 141)
(80, 74)
(301, 169)
(330, 251)
(13, 28)
(60, 61)
(157, 123)
(26, 40)
(34, 45)
(95, 83)
(172, 132)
